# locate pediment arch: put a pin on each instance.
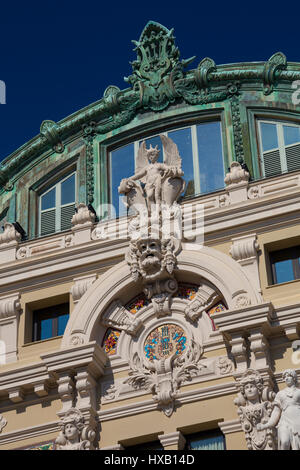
(197, 265)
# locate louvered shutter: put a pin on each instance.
(48, 222)
(293, 157)
(67, 213)
(271, 163)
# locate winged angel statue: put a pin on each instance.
(162, 183)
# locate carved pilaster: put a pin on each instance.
(10, 308)
(244, 250)
(239, 352)
(66, 392)
(86, 396)
(237, 181)
(82, 222)
(9, 243)
(260, 354)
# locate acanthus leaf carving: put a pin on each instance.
(164, 377)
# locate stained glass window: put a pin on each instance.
(186, 291)
(110, 341)
(165, 341)
(137, 303)
(219, 307)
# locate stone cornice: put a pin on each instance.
(191, 396)
(228, 427)
(277, 198)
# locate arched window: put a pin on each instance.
(57, 206)
(279, 144)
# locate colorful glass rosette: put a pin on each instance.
(165, 341)
(45, 446)
(137, 303)
(219, 307)
(110, 341)
(186, 291)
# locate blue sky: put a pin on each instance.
(57, 57)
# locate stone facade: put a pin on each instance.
(177, 324)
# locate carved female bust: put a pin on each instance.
(74, 434)
(254, 401)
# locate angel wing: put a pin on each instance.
(172, 157)
(141, 160)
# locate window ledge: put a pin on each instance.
(283, 283)
(42, 341)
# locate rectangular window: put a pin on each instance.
(50, 322)
(208, 440)
(57, 206)
(285, 265)
(201, 150)
(279, 147)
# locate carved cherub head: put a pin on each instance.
(153, 153)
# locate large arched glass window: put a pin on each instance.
(57, 206)
(200, 147)
(279, 147)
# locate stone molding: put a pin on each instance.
(229, 427)
(29, 432)
(83, 221)
(191, 396)
(174, 439)
(113, 447)
(237, 183)
(274, 196)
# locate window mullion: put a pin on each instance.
(281, 148)
(196, 160)
(58, 208)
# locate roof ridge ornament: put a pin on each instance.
(155, 67)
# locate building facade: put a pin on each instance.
(113, 337)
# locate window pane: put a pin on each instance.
(62, 323)
(210, 443)
(122, 166)
(183, 140)
(268, 136)
(46, 328)
(68, 190)
(155, 141)
(210, 156)
(48, 200)
(284, 271)
(291, 135)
